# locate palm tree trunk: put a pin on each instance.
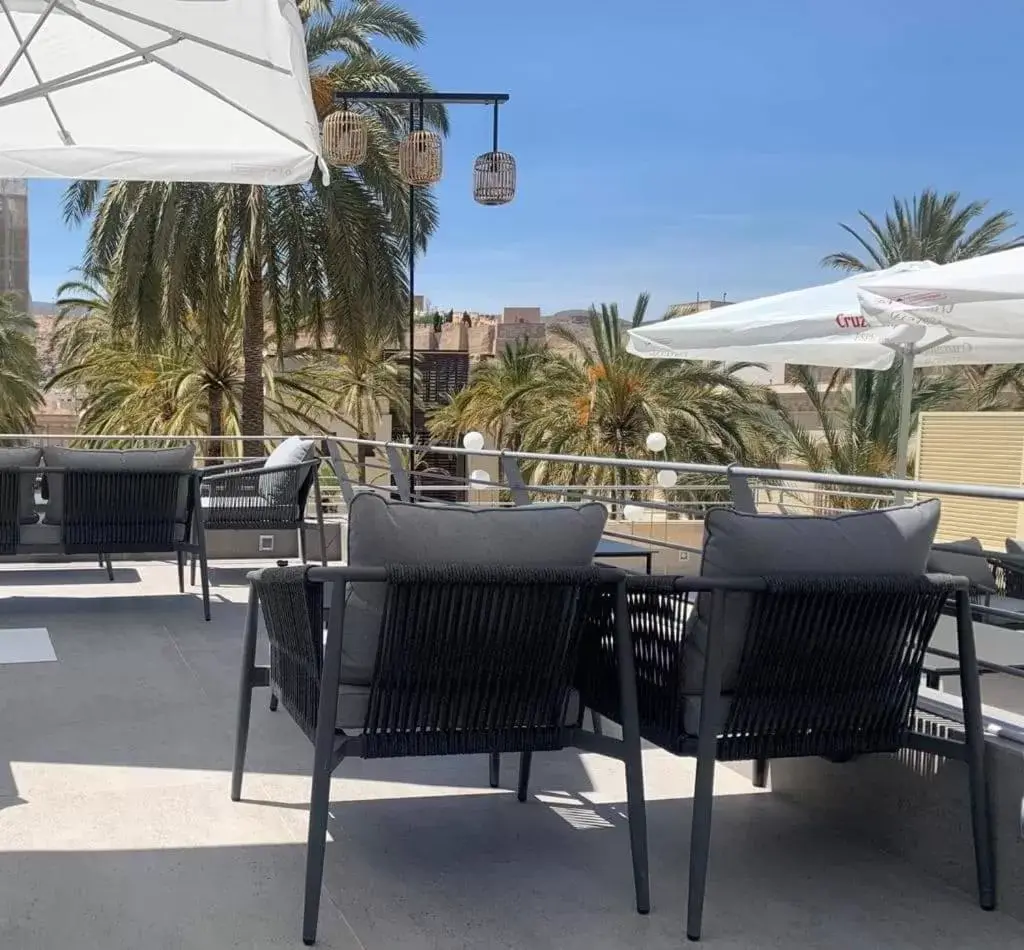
(252, 362)
(215, 449)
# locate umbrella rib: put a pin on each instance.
(108, 67)
(180, 73)
(64, 134)
(145, 21)
(23, 44)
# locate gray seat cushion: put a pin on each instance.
(382, 532)
(114, 460)
(282, 488)
(227, 510)
(28, 457)
(41, 534)
(972, 566)
(890, 541)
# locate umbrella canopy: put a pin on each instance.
(884, 330)
(167, 90)
(821, 311)
(994, 278)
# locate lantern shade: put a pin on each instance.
(494, 178)
(419, 158)
(345, 138)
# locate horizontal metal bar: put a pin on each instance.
(444, 98)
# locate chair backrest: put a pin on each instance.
(829, 665)
(470, 659)
(10, 509)
(832, 665)
(125, 511)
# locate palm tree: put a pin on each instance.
(498, 396)
(598, 399)
(360, 380)
(929, 227)
(858, 433)
(20, 371)
(294, 258)
(187, 386)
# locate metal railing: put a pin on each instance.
(666, 519)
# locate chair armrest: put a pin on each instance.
(245, 475)
(227, 468)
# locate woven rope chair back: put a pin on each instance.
(474, 659)
(831, 666)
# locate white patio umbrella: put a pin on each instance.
(995, 280)
(893, 330)
(171, 90)
(821, 311)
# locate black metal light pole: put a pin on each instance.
(485, 195)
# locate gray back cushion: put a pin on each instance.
(282, 488)
(1015, 547)
(18, 457)
(972, 566)
(114, 460)
(890, 541)
(382, 532)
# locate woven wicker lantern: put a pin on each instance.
(419, 158)
(494, 178)
(345, 138)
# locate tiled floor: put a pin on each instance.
(116, 829)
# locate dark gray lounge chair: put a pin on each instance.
(255, 496)
(470, 660)
(829, 666)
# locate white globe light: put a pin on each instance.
(474, 441)
(633, 513)
(667, 478)
(656, 442)
(479, 475)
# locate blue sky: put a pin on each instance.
(679, 146)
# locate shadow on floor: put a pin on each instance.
(67, 577)
(487, 872)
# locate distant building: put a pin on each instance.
(14, 239)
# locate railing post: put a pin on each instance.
(399, 473)
(742, 496)
(516, 484)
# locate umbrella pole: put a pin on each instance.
(906, 395)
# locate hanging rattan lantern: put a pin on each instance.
(419, 158)
(494, 178)
(345, 138)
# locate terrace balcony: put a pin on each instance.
(117, 830)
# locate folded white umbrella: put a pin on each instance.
(171, 90)
(994, 278)
(892, 330)
(821, 311)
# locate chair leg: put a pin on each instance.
(204, 577)
(181, 571)
(302, 542)
(110, 567)
(974, 738)
(494, 770)
(525, 759)
(316, 848)
(323, 541)
(632, 753)
(273, 702)
(244, 695)
(700, 844)
(760, 773)
(192, 570)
